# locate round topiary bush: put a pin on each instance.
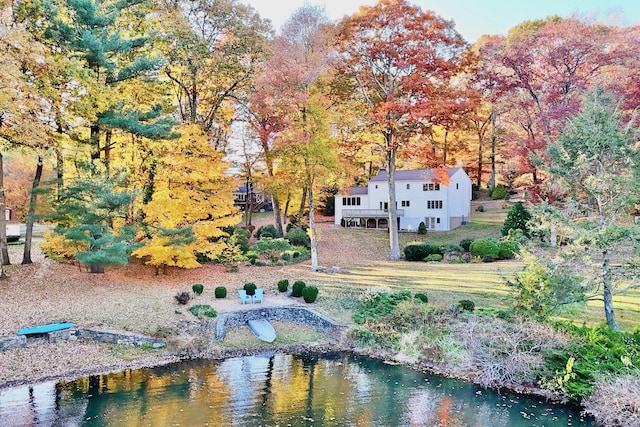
(309, 293)
(467, 305)
(250, 288)
(484, 247)
(297, 287)
(197, 288)
(221, 292)
(421, 297)
(283, 285)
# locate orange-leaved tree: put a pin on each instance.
(400, 61)
(191, 203)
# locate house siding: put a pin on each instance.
(441, 209)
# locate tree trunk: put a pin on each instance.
(312, 223)
(277, 214)
(493, 150)
(607, 293)
(31, 214)
(394, 245)
(303, 201)
(4, 250)
(480, 144)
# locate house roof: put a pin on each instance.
(354, 191)
(412, 175)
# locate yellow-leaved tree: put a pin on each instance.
(188, 204)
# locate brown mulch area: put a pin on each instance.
(134, 298)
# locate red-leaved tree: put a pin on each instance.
(400, 61)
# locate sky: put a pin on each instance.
(473, 18)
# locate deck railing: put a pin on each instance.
(368, 213)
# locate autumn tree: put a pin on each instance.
(540, 70)
(596, 162)
(400, 61)
(214, 48)
(190, 205)
(302, 55)
(24, 108)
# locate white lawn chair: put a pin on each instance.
(244, 298)
(259, 296)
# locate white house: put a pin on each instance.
(419, 198)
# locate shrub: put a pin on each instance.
(220, 292)
(270, 245)
(450, 248)
(422, 228)
(286, 256)
(252, 256)
(484, 246)
(465, 243)
(480, 208)
(418, 251)
(240, 238)
(297, 287)
(197, 288)
(250, 288)
(203, 310)
(466, 305)
(517, 219)
(508, 249)
(434, 258)
(182, 297)
(298, 237)
(379, 305)
(499, 192)
(267, 231)
(421, 297)
(309, 293)
(283, 285)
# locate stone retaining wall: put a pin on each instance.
(81, 334)
(291, 314)
(224, 322)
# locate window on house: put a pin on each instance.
(430, 186)
(408, 186)
(437, 220)
(434, 204)
(405, 203)
(457, 186)
(376, 185)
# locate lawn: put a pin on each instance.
(445, 284)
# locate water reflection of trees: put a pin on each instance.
(282, 389)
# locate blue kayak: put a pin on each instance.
(43, 329)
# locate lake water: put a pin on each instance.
(276, 390)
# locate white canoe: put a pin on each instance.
(263, 329)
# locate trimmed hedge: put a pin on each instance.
(250, 288)
(220, 292)
(418, 251)
(283, 285)
(297, 288)
(197, 288)
(309, 293)
(484, 247)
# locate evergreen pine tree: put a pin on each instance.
(92, 213)
(517, 219)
